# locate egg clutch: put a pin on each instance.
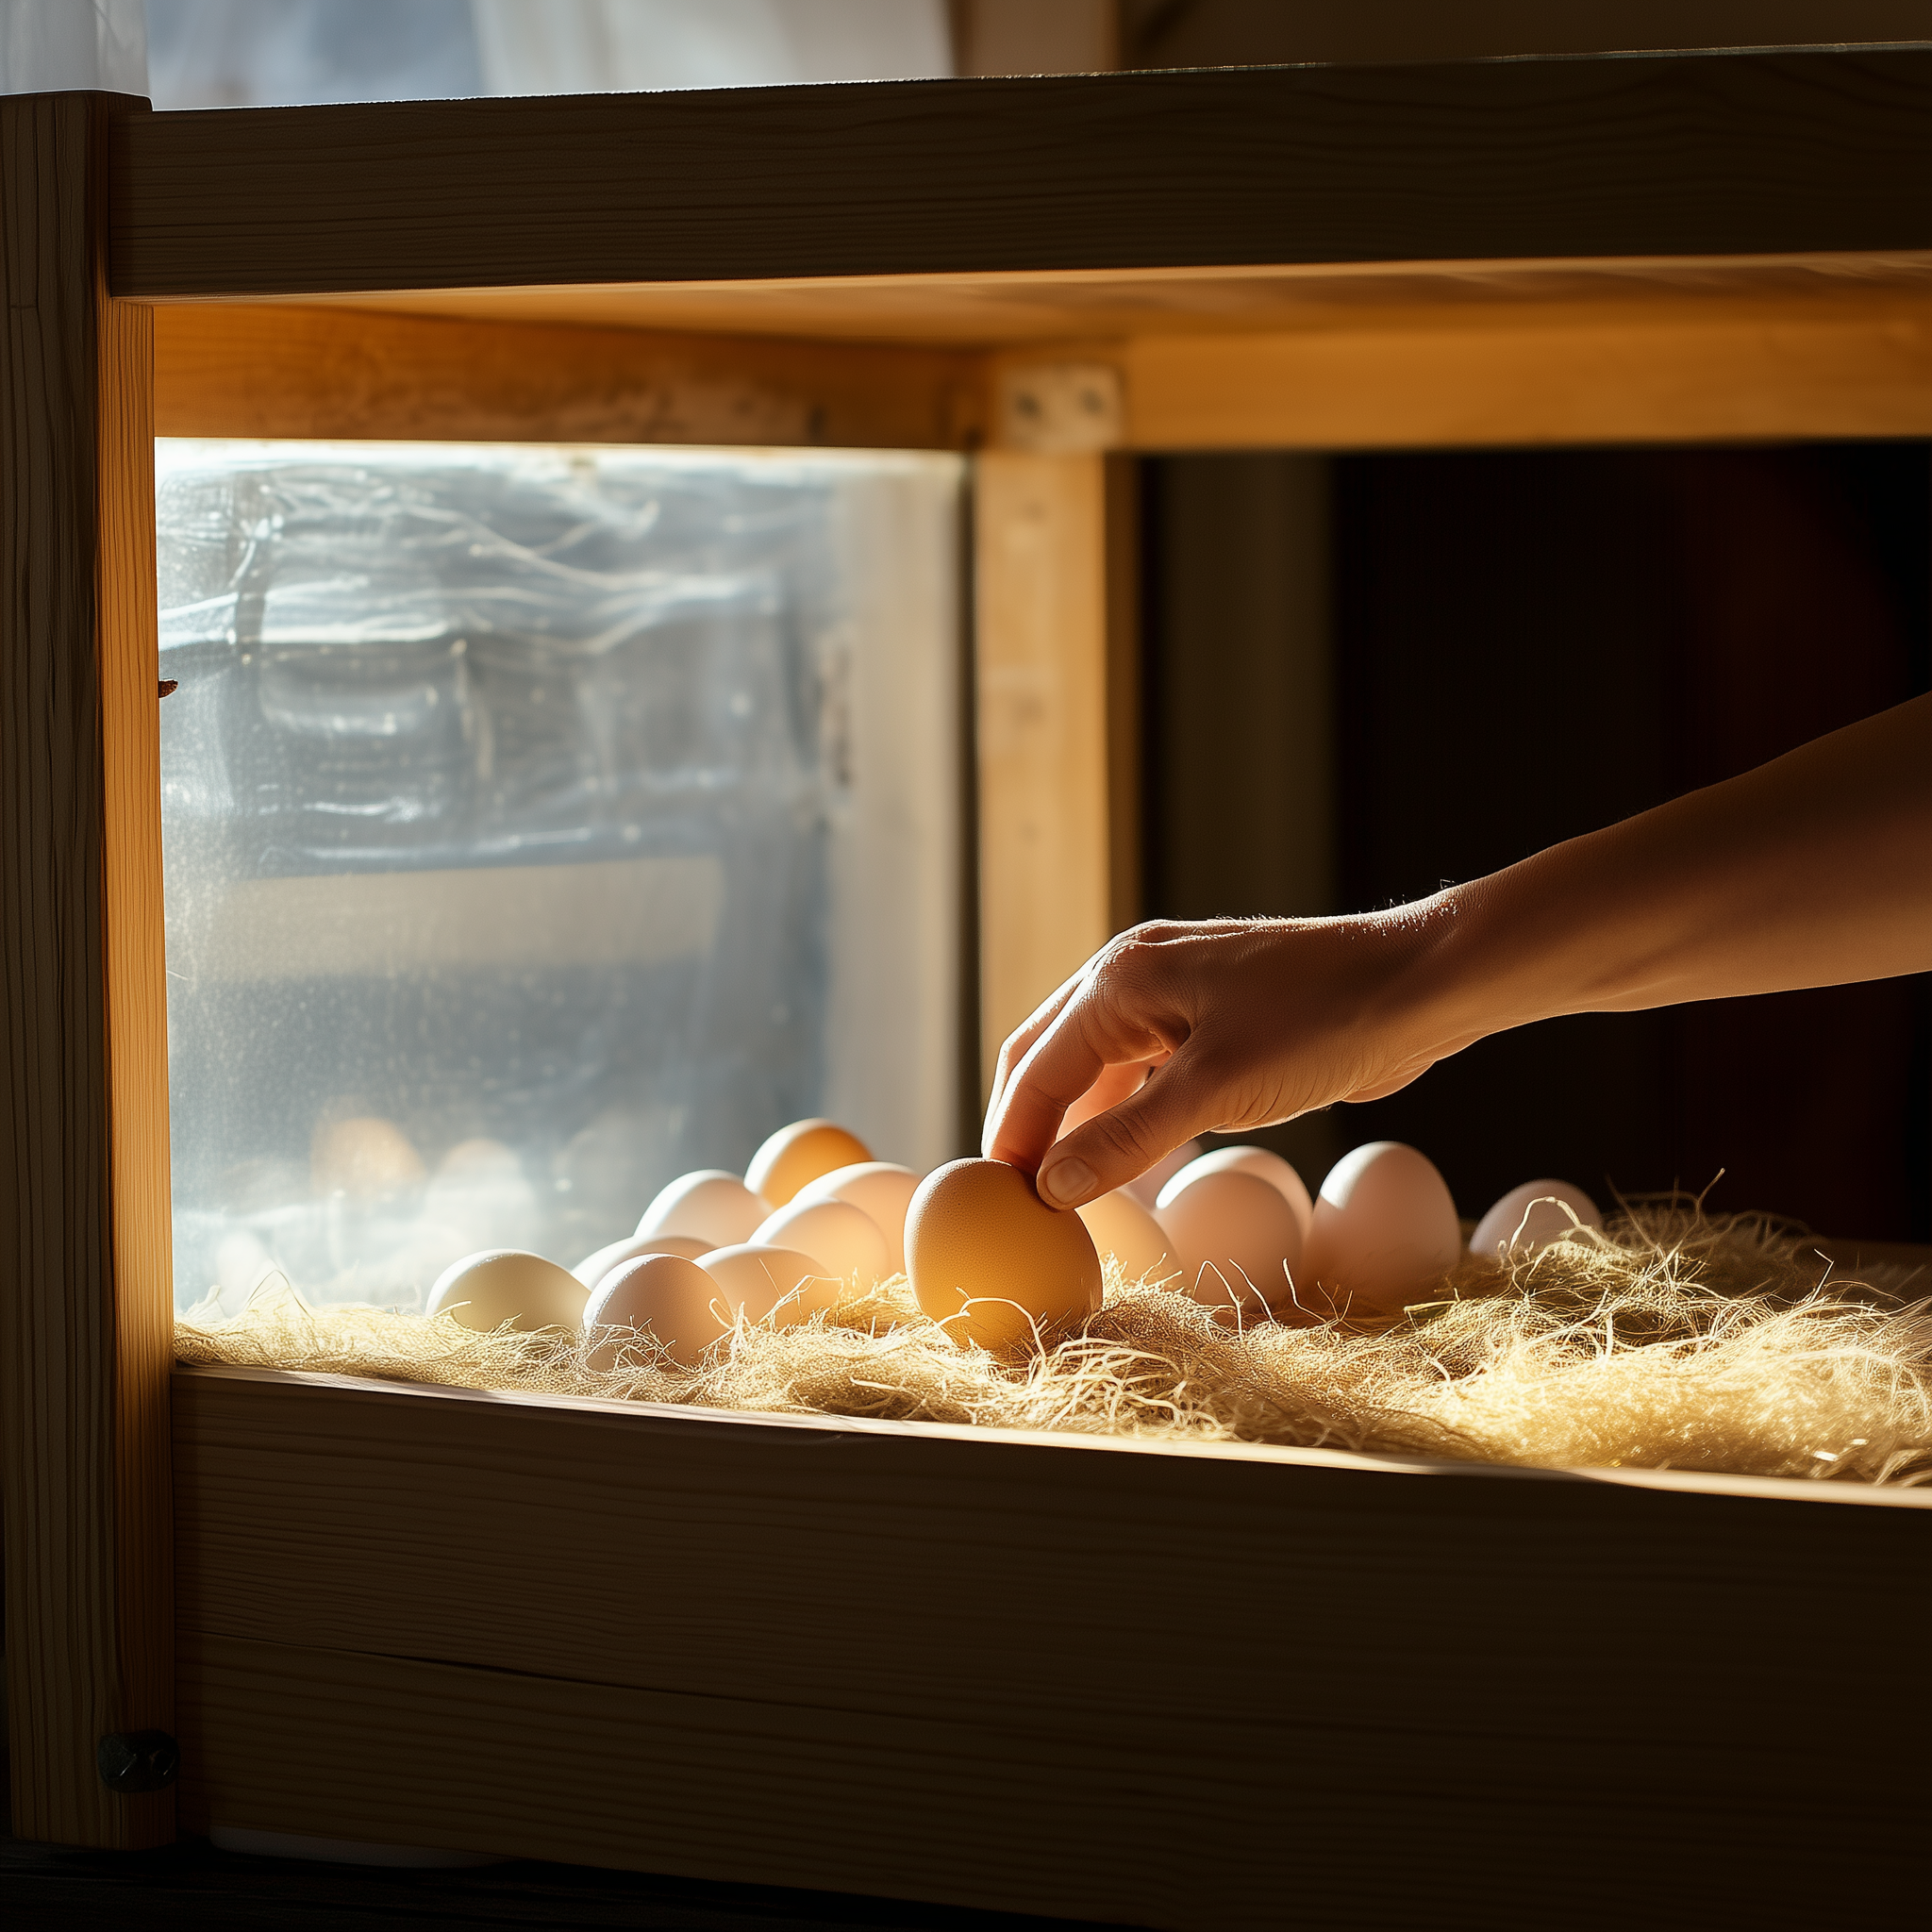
(815, 1221)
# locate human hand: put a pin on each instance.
(1172, 1030)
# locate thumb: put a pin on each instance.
(1116, 1146)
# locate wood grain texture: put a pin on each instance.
(1175, 1686)
(277, 370)
(1009, 308)
(1681, 368)
(140, 1205)
(83, 1139)
(1679, 155)
(1042, 689)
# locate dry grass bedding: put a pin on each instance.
(1671, 1340)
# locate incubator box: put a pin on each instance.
(1167, 1686)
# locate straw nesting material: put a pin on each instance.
(1668, 1341)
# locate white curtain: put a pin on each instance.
(50, 46)
(586, 46)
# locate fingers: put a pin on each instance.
(1018, 1044)
(1100, 1027)
(1062, 1065)
(1113, 1085)
(1116, 1146)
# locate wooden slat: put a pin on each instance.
(140, 1205)
(1046, 880)
(1728, 153)
(287, 371)
(1676, 369)
(1006, 308)
(1181, 1687)
(84, 1238)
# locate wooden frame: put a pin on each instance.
(1617, 249)
(84, 1145)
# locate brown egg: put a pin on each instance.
(1125, 1229)
(991, 1262)
(798, 1154)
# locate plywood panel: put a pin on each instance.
(1729, 154)
(290, 371)
(1040, 671)
(1049, 1674)
(83, 1136)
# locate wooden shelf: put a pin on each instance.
(1703, 156)
(1153, 1683)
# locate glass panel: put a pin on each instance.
(541, 824)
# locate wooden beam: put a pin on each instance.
(1013, 308)
(1127, 1681)
(277, 370)
(84, 1215)
(1046, 866)
(1672, 369)
(1724, 154)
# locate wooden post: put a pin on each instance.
(84, 1227)
(1057, 725)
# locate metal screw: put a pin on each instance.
(138, 1760)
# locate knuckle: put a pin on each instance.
(1120, 1135)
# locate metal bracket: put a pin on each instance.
(134, 1762)
(1061, 409)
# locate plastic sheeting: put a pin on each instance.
(539, 824)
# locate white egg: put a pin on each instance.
(881, 1189)
(845, 1241)
(1385, 1230)
(757, 1280)
(1145, 1187)
(483, 1291)
(594, 1268)
(1237, 1239)
(1125, 1229)
(1264, 1166)
(710, 1205)
(668, 1294)
(1527, 1218)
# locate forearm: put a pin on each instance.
(1811, 871)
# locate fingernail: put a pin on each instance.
(1066, 1182)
